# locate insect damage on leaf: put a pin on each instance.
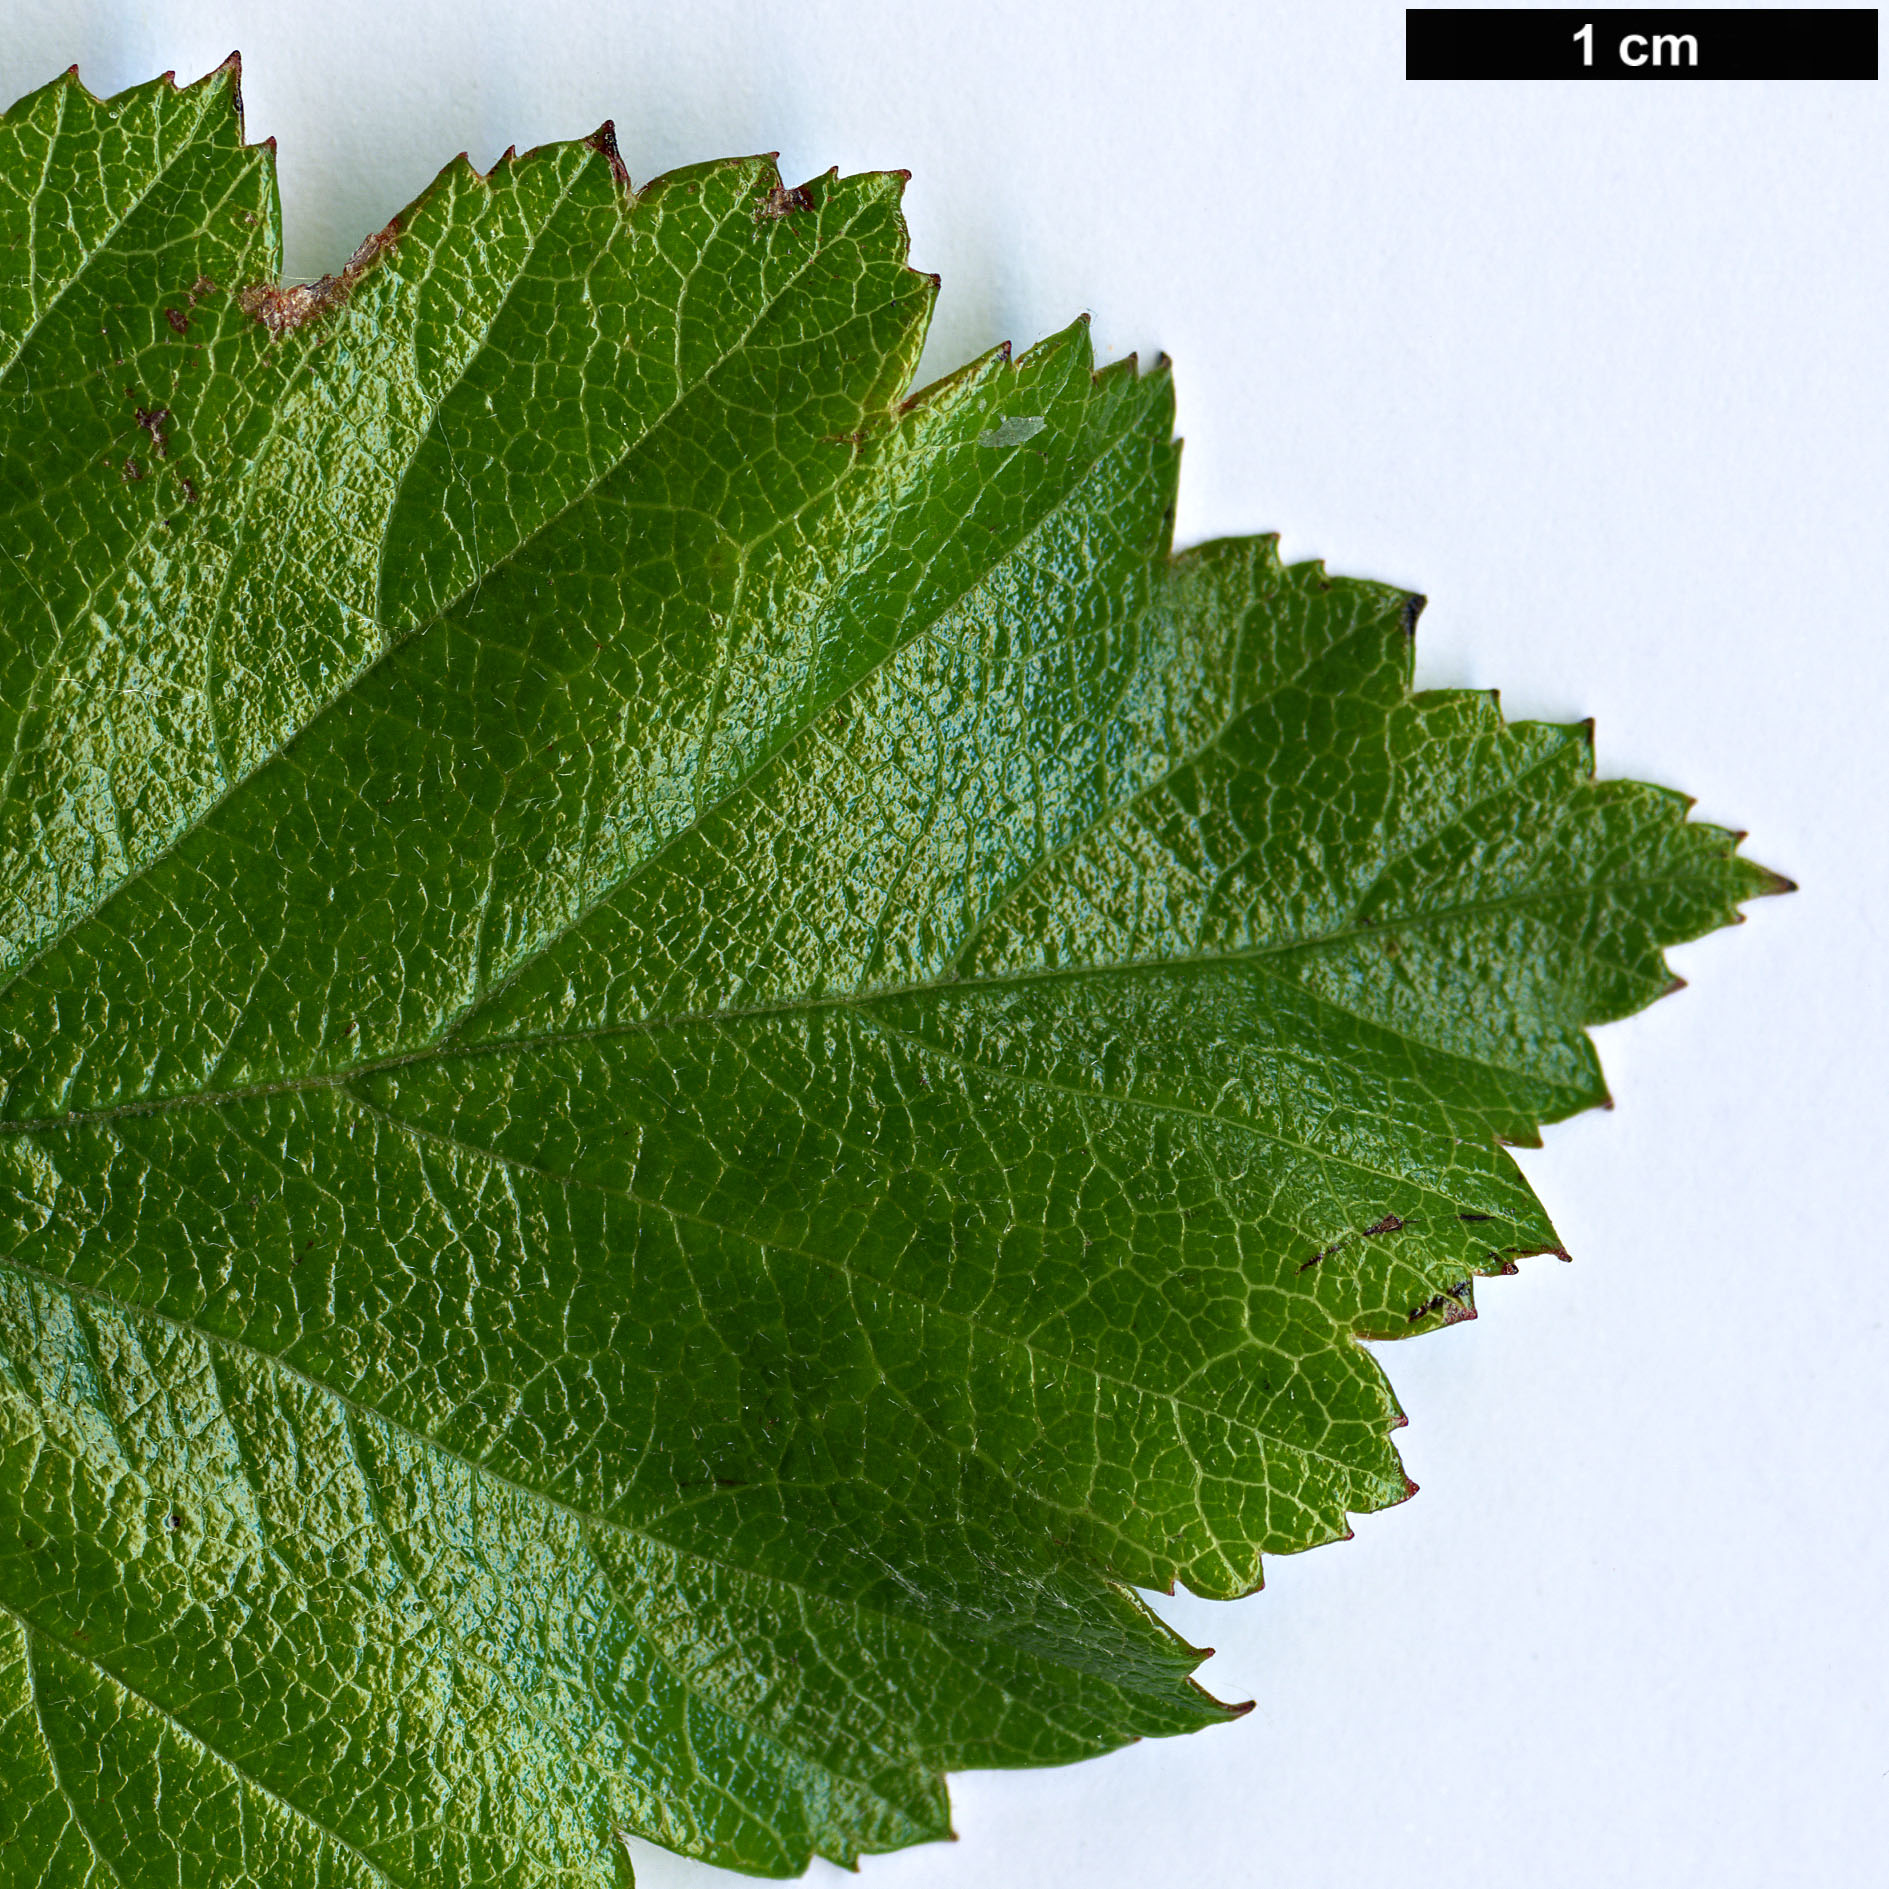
(691, 1054)
(778, 202)
(284, 309)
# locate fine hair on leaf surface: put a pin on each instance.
(693, 1053)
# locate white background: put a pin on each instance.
(1600, 368)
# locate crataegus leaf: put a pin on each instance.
(688, 1057)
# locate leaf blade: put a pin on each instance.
(723, 1054)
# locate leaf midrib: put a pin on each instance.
(449, 1050)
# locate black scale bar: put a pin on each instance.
(1632, 43)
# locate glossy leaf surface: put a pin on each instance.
(688, 1058)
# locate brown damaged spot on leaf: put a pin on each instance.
(1389, 1224)
(154, 420)
(283, 310)
(780, 202)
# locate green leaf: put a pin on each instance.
(688, 1058)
